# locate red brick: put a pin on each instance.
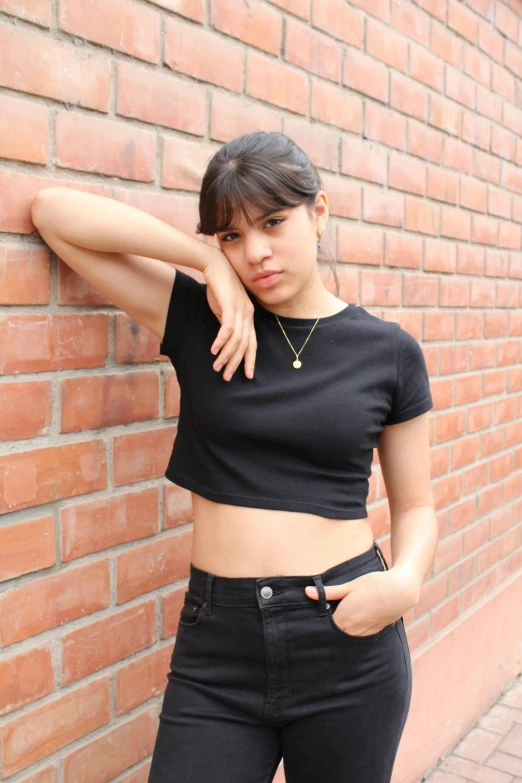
(462, 20)
(278, 84)
(363, 74)
(25, 407)
(360, 244)
(258, 25)
(511, 177)
(490, 41)
(385, 126)
(298, 7)
(105, 641)
(455, 223)
(426, 68)
(513, 59)
(476, 131)
(473, 195)
(440, 256)
(90, 144)
(336, 106)
(421, 216)
(23, 130)
(148, 566)
(57, 471)
(312, 50)
(41, 731)
(486, 167)
(408, 97)
(424, 142)
(165, 94)
(437, 8)
(344, 196)
(378, 8)
(477, 65)
(500, 203)
(485, 230)
(407, 174)
(483, 7)
(122, 25)
(460, 88)
(107, 756)
(183, 164)
(386, 45)
(363, 160)
(503, 83)
(403, 250)
(513, 119)
(37, 11)
(24, 678)
(442, 185)
(195, 10)
(458, 156)
(509, 235)
(26, 547)
(381, 287)
(321, 144)
(445, 115)
(231, 116)
(51, 601)
(66, 73)
(506, 21)
(99, 524)
(138, 680)
(339, 20)
(446, 45)
(383, 206)
(205, 55)
(489, 104)
(410, 21)
(503, 143)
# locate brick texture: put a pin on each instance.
(412, 112)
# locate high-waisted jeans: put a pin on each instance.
(259, 671)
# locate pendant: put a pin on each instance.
(297, 364)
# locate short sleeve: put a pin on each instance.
(188, 307)
(412, 393)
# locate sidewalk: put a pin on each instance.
(491, 751)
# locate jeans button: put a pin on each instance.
(266, 592)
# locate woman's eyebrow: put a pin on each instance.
(258, 219)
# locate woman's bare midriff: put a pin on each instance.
(256, 542)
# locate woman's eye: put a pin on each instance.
(272, 220)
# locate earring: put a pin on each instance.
(318, 238)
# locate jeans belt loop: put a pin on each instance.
(207, 605)
(382, 555)
(322, 595)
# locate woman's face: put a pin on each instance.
(284, 241)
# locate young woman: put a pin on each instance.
(291, 640)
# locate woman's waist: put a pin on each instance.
(242, 541)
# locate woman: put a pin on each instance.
(291, 640)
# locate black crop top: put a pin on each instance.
(290, 439)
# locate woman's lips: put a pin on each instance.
(268, 280)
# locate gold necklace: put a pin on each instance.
(297, 364)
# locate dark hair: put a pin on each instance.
(264, 169)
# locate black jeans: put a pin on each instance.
(260, 671)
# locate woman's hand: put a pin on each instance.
(230, 303)
(369, 603)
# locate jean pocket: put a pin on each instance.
(191, 609)
(332, 606)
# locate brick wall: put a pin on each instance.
(413, 113)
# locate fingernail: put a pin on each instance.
(218, 367)
(228, 376)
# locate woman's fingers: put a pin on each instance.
(235, 347)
